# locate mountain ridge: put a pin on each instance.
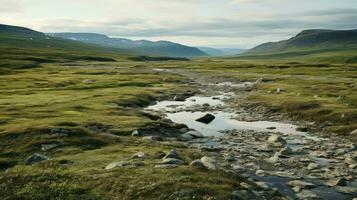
(165, 48)
(312, 39)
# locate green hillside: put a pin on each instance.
(330, 46)
(23, 48)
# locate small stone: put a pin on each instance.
(276, 140)
(152, 138)
(354, 132)
(301, 184)
(186, 136)
(35, 158)
(197, 164)
(312, 166)
(302, 129)
(307, 194)
(286, 151)
(206, 119)
(135, 133)
(297, 189)
(337, 182)
(209, 163)
(47, 147)
(274, 159)
(195, 134)
(260, 172)
(351, 159)
(172, 154)
(139, 155)
(263, 185)
(117, 164)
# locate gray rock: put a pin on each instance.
(139, 155)
(186, 136)
(135, 133)
(195, 134)
(274, 159)
(206, 119)
(47, 147)
(35, 158)
(229, 157)
(351, 159)
(301, 184)
(354, 133)
(312, 166)
(337, 182)
(260, 172)
(117, 164)
(285, 152)
(197, 164)
(307, 194)
(173, 161)
(263, 185)
(152, 138)
(276, 140)
(172, 154)
(209, 163)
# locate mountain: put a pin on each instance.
(21, 37)
(22, 48)
(310, 40)
(163, 48)
(221, 51)
(323, 46)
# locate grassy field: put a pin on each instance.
(83, 102)
(85, 94)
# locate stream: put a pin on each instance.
(309, 158)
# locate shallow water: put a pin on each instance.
(223, 121)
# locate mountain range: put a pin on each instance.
(162, 48)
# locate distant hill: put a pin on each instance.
(221, 51)
(163, 48)
(312, 45)
(25, 48)
(21, 37)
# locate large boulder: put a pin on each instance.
(35, 158)
(206, 119)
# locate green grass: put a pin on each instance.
(85, 93)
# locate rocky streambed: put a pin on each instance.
(269, 150)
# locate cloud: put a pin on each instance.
(191, 21)
(8, 6)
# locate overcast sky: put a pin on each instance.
(216, 23)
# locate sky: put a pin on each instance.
(212, 23)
